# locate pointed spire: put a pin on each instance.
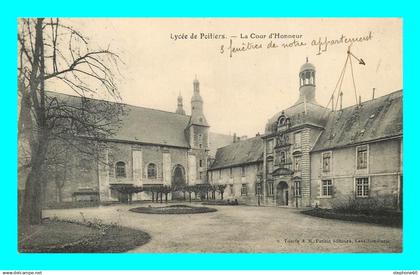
(196, 85)
(180, 108)
(197, 116)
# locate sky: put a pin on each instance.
(241, 92)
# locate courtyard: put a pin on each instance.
(242, 229)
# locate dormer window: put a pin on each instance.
(283, 122)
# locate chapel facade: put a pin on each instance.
(151, 148)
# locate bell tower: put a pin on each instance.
(197, 115)
(198, 136)
(307, 83)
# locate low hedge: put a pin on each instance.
(173, 209)
(386, 218)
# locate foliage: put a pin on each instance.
(371, 205)
(53, 58)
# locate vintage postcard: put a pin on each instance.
(161, 135)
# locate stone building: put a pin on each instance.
(150, 148)
(239, 166)
(359, 154)
(313, 156)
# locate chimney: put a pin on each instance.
(360, 100)
(373, 93)
(234, 137)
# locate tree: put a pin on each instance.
(57, 57)
(58, 163)
(221, 188)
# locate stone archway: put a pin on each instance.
(282, 193)
(178, 181)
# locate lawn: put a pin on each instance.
(75, 237)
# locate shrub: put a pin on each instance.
(368, 206)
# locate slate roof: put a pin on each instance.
(315, 115)
(238, 153)
(217, 140)
(153, 126)
(375, 119)
(145, 125)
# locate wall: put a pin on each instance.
(81, 173)
(199, 151)
(234, 182)
(136, 158)
(383, 170)
(309, 135)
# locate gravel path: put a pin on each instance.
(245, 229)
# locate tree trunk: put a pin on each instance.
(32, 209)
(221, 195)
(60, 193)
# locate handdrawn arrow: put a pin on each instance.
(361, 61)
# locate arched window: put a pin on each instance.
(120, 169)
(151, 171)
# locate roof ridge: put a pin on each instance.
(372, 100)
(122, 103)
(240, 141)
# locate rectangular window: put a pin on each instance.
(282, 157)
(327, 188)
(243, 169)
(200, 140)
(297, 163)
(244, 190)
(297, 189)
(362, 187)
(201, 163)
(270, 146)
(230, 173)
(362, 152)
(326, 162)
(269, 167)
(298, 140)
(270, 188)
